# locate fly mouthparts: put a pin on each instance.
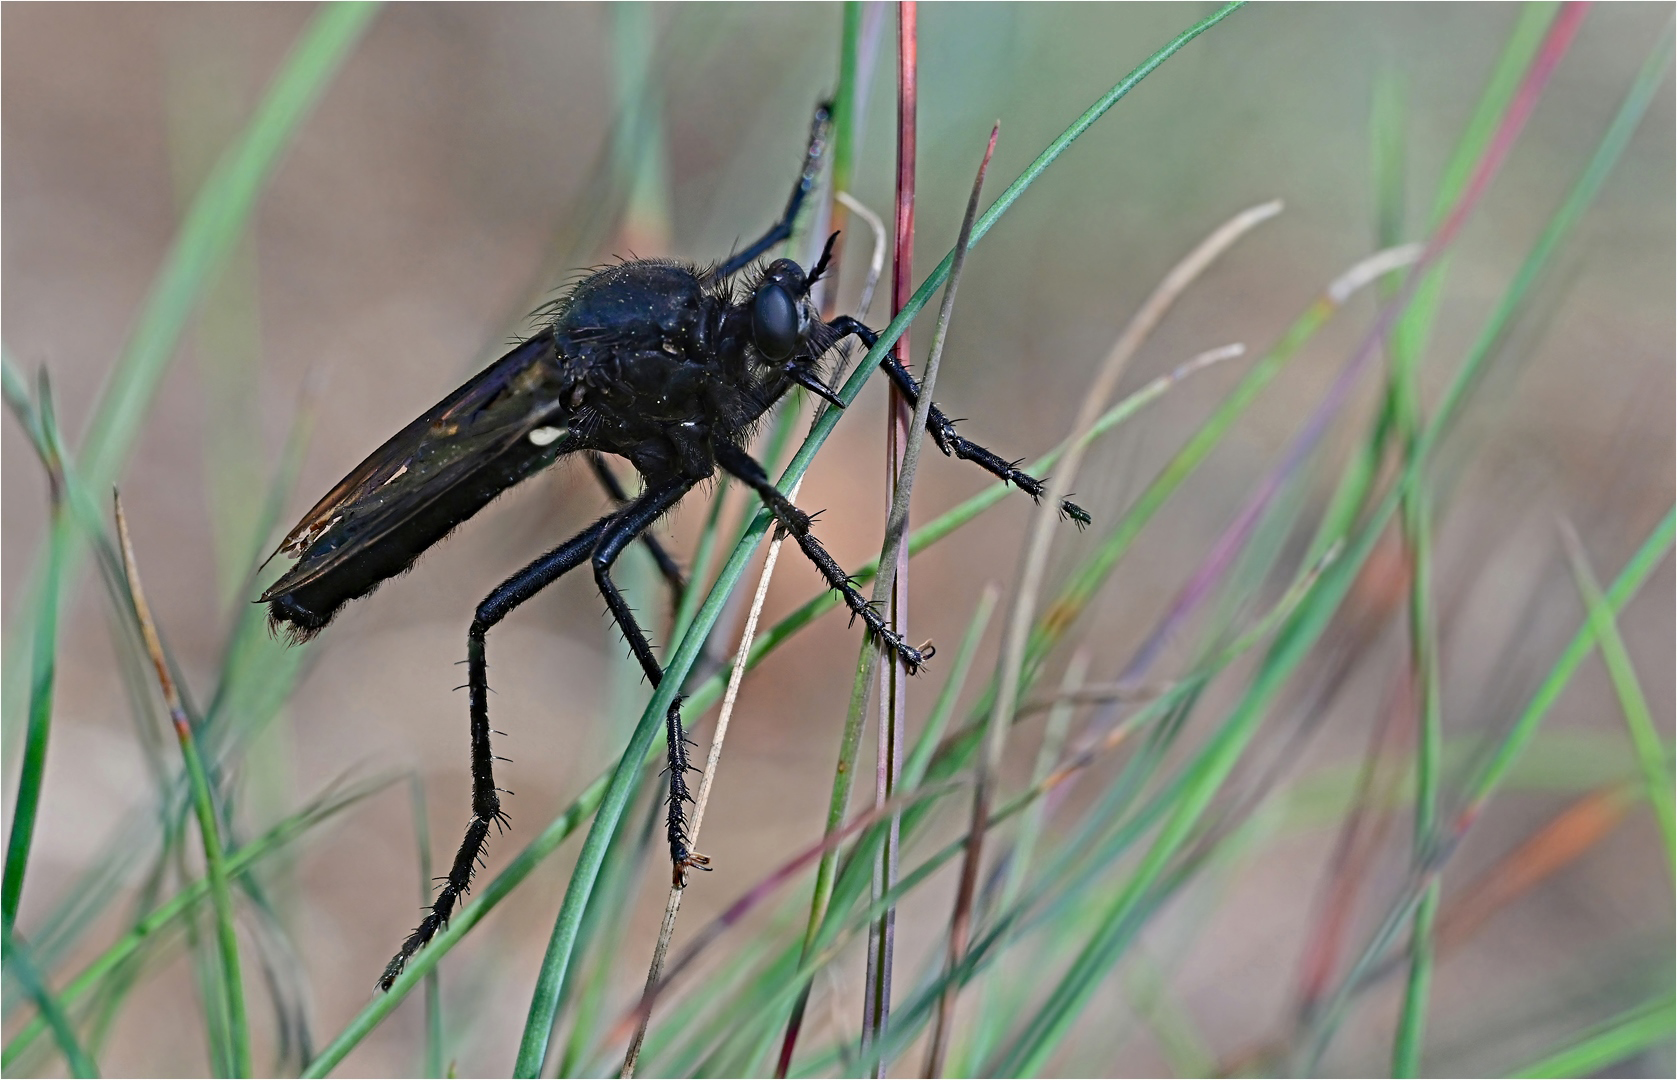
(808, 381)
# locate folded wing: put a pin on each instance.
(503, 425)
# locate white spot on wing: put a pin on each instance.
(546, 436)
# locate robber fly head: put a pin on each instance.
(781, 312)
(785, 327)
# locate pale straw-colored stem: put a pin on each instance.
(1033, 569)
(672, 906)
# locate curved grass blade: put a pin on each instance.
(1051, 1022)
(1627, 1034)
(1524, 729)
(591, 798)
(382, 1005)
(914, 772)
(708, 692)
(211, 228)
(1010, 924)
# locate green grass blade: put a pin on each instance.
(1202, 780)
(149, 929)
(42, 665)
(1630, 1033)
(1630, 580)
(212, 226)
(1409, 336)
(1578, 199)
(1408, 341)
(1413, 328)
(604, 928)
(919, 758)
(937, 721)
(202, 115)
(997, 1002)
(1406, 1048)
(22, 968)
(1010, 925)
(1423, 647)
(487, 898)
(1388, 123)
(1404, 405)
(1651, 752)
(538, 1024)
(207, 236)
(1524, 730)
(614, 796)
(939, 528)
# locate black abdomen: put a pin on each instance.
(302, 612)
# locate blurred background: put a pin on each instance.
(462, 165)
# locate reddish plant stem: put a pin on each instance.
(893, 690)
(1352, 860)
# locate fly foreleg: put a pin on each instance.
(942, 429)
(820, 126)
(796, 523)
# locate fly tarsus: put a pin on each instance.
(942, 429)
(796, 523)
(456, 885)
(682, 858)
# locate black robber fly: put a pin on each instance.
(665, 363)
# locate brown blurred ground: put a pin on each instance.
(417, 206)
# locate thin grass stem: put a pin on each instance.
(1652, 754)
(1423, 661)
(22, 967)
(209, 232)
(613, 793)
(913, 775)
(713, 759)
(1034, 566)
(221, 896)
(149, 929)
(1489, 778)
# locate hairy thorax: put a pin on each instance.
(637, 347)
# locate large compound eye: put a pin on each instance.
(774, 323)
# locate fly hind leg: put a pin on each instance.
(486, 797)
(667, 566)
(633, 521)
